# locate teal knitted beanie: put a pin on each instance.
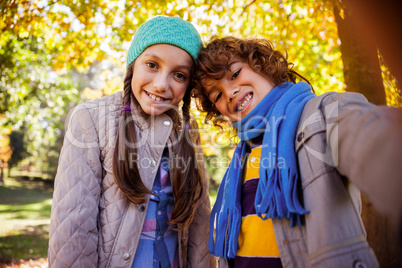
(165, 30)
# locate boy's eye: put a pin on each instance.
(151, 65)
(218, 96)
(236, 74)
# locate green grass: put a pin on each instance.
(24, 216)
(29, 242)
(25, 206)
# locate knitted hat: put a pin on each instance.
(165, 30)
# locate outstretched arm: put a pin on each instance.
(366, 143)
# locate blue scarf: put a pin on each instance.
(276, 117)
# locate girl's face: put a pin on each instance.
(239, 92)
(161, 76)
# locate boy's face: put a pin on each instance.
(161, 76)
(239, 92)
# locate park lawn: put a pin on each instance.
(25, 206)
(24, 216)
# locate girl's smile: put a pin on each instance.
(156, 98)
(161, 76)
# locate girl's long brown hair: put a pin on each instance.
(187, 183)
(213, 63)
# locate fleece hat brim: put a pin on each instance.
(165, 30)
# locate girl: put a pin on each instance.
(129, 190)
(286, 198)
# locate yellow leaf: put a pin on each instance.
(23, 35)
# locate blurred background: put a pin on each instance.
(55, 54)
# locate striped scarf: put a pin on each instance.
(276, 117)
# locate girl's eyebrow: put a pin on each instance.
(152, 55)
(156, 57)
(184, 67)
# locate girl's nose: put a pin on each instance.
(161, 82)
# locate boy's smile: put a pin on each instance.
(161, 76)
(239, 91)
(243, 102)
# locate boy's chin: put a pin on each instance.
(237, 117)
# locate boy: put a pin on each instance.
(286, 198)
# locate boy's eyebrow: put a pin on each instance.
(212, 88)
(210, 91)
(233, 62)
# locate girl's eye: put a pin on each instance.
(151, 65)
(236, 74)
(180, 76)
(218, 96)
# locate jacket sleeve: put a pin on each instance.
(198, 253)
(73, 232)
(366, 146)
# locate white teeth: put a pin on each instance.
(154, 97)
(245, 102)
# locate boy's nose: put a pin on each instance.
(232, 93)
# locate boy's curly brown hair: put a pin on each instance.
(213, 63)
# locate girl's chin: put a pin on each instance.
(153, 111)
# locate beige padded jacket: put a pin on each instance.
(92, 222)
(344, 144)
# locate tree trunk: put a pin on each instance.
(361, 67)
(8, 169)
(379, 21)
(381, 235)
(362, 74)
(2, 174)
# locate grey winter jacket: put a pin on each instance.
(92, 222)
(344, 144)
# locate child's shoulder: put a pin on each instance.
(328, 105)
(111, 102)
(337, 100)
(103, 107)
